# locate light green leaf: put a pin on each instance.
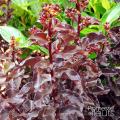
(39, 48)
(115, 24)
(7, 32)
(32, 7)
(1, 13)
(111, 15)
(86, 31)
(106, 4)
(92, 55)
(20, 6)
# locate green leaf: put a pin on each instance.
(7, 32)
(111, 15)
(106, 4)
(115, 24)
(20, 6)
(86, 31)
(25, 53)
(39, 48)
(100, 10)
(44, 50)
(32, 7)
(1, 13)
(35, 8)
(92, 55)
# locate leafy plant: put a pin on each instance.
(63, 81)
(97, 8)
(7, 32)
(25, 13)
(110, 16)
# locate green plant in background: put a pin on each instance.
(111, 15)
(7, 32)
(97, 8)
(63, 3)
(25, 13)
(106, 11)
(103, 10)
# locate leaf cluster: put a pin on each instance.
(67, 65)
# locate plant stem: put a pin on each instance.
(79, 17)
(78, 28)
(50, 44)
(78, 32)
(13, 48)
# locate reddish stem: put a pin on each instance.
(78, 31)
(79, 17)
(50, 44)
(13, 48)
(50, 52)
(78, 28)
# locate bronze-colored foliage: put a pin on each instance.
(64, 84)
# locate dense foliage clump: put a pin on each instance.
(69, 62)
